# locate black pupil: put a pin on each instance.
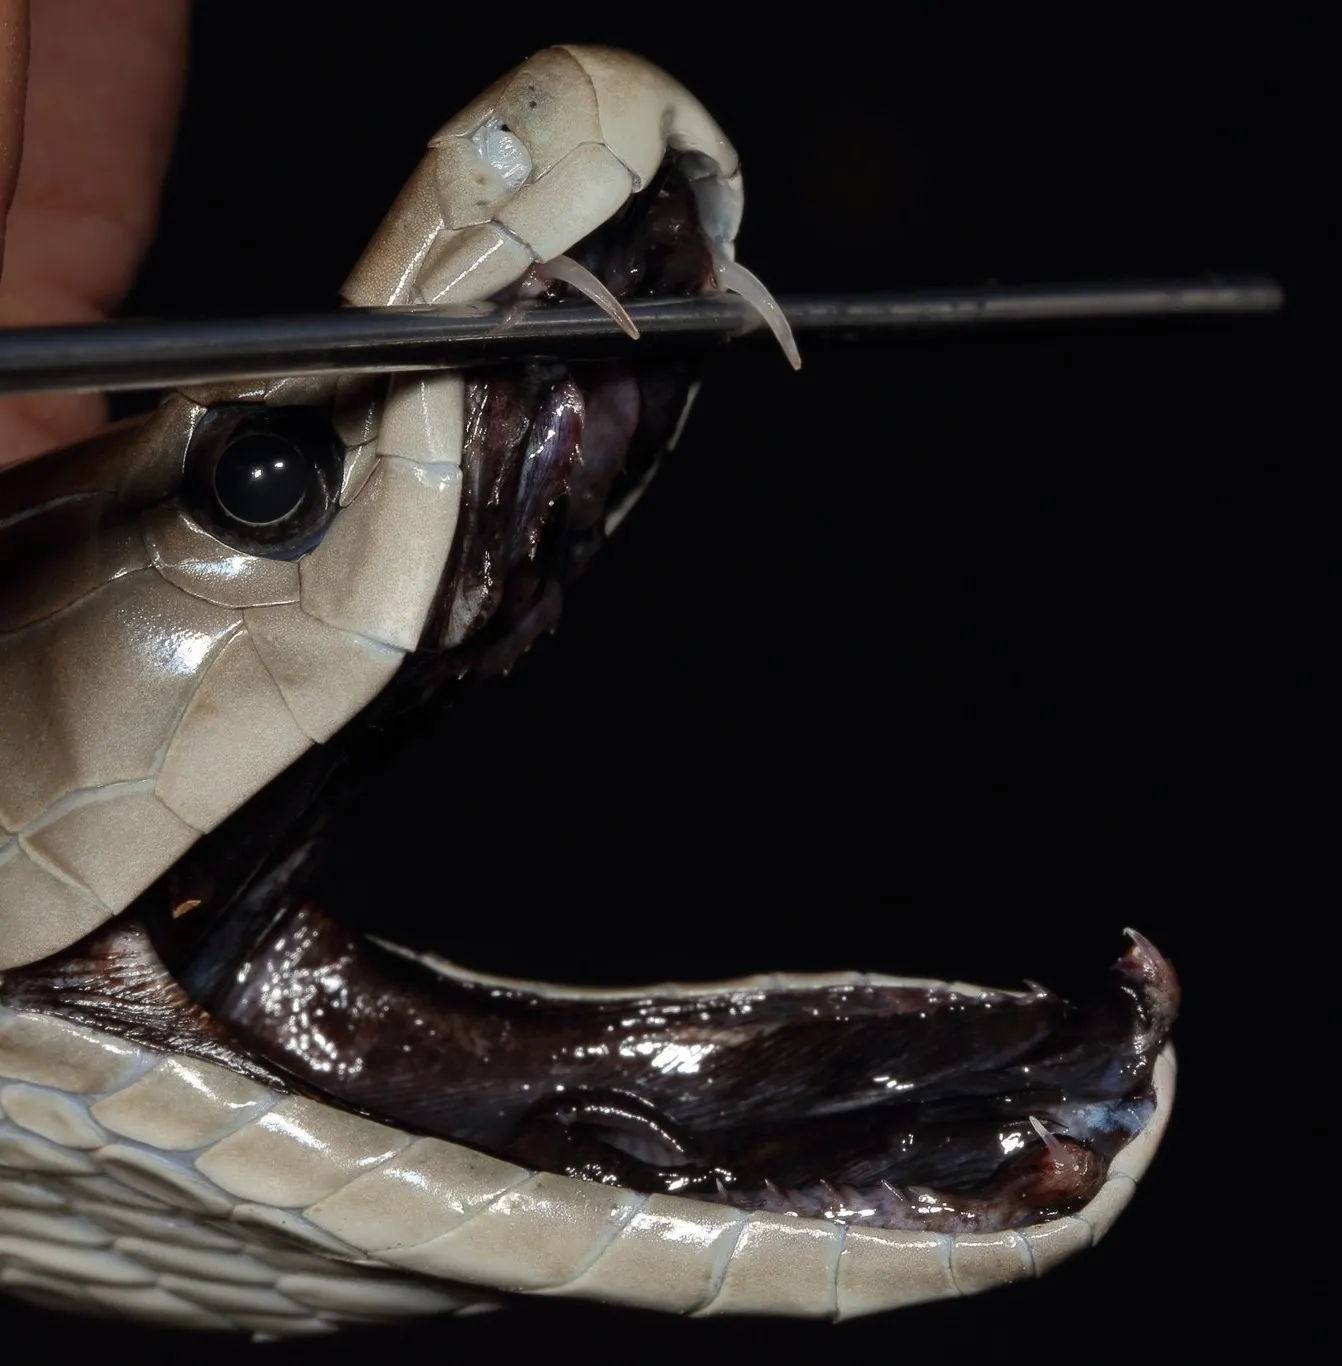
(261, 478)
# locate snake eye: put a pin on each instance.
(264, 480)
(261, 478)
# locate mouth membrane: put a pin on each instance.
(857, 1099)
(877, 1101)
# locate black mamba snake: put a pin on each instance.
(220, 1108)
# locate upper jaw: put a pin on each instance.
(532, 166)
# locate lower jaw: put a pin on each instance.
(302, 1187)
(1025, 1157)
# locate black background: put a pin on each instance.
(941, 657)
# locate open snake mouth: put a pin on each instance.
(862, 1100)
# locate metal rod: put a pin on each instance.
(158, 354)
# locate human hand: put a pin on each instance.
(82, 160)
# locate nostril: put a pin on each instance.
(503, 154)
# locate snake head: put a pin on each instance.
(189, 604)
(210, 619)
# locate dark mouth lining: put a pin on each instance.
(908, 1106)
